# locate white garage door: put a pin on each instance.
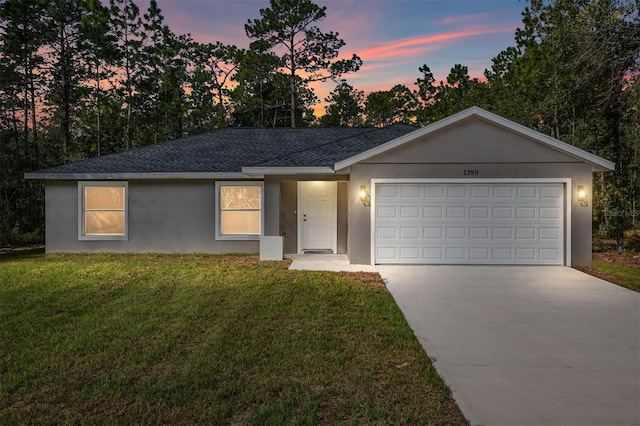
(469, 223)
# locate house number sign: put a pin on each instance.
(471, 172)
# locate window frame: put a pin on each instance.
(218, 211)
(81, 211)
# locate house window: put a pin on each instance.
(103, 210)
(239, 210)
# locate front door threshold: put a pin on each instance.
(317, 251)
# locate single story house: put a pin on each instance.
(473, 188)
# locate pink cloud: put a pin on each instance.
(409, 46)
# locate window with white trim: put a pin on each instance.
(103, 210)
(239, 207)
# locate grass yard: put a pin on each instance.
(624, 276)
(196, 339)
(619, 268)
(622, 269)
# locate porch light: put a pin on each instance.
(365, 198)
(583, 198)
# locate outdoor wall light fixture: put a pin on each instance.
(364, 196)
(583, 198)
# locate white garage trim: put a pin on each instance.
(565, 182)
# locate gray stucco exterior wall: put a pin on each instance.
(164, 216)
(343, 216)
(473, 144)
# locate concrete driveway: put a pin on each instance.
(527, 345)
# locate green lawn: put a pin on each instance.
(621, 275)
(129, 339)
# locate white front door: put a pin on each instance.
(317, 216)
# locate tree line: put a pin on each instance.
(83, 78)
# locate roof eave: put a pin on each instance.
(134, 176)
(262, 171)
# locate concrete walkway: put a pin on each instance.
(527, 345)
(326, 262)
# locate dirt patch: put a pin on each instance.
(628, 260)
(372, 279)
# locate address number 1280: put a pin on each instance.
(470, 172)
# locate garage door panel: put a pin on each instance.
(526, 254)
(432, 253)
(386, 254)
(526, 191)
(432, 232)
(410, 191)
(548, 254)
(456, 232)
(409, 232)
(526, 233)
(479, 233)
(469, 223)
(549, 213)
(387, 212)
(502, 233)
(454, 192)
(502, 192)
(502, 212)
(481, 191)
(410, 253)
(386, 232)
(456, 212)
(549, 233)
(526, 213)
(551, 192)
(387, 191)
(481, 212)
(434, 191)
(479, 253)
(455, 253)
(432, 212)
(504, 254)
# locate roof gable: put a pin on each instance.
(597, 163)
(471, 141)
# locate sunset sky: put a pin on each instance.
(393, 37)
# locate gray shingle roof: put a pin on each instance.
(229, 150)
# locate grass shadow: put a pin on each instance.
(21, 253)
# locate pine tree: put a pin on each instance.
(289, 25)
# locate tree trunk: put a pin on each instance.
(25, 130)
(16, 133)
(127, 71)
(293, 100)
(34, 128)
(99, 135)
(293, 81)
(613, 121)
